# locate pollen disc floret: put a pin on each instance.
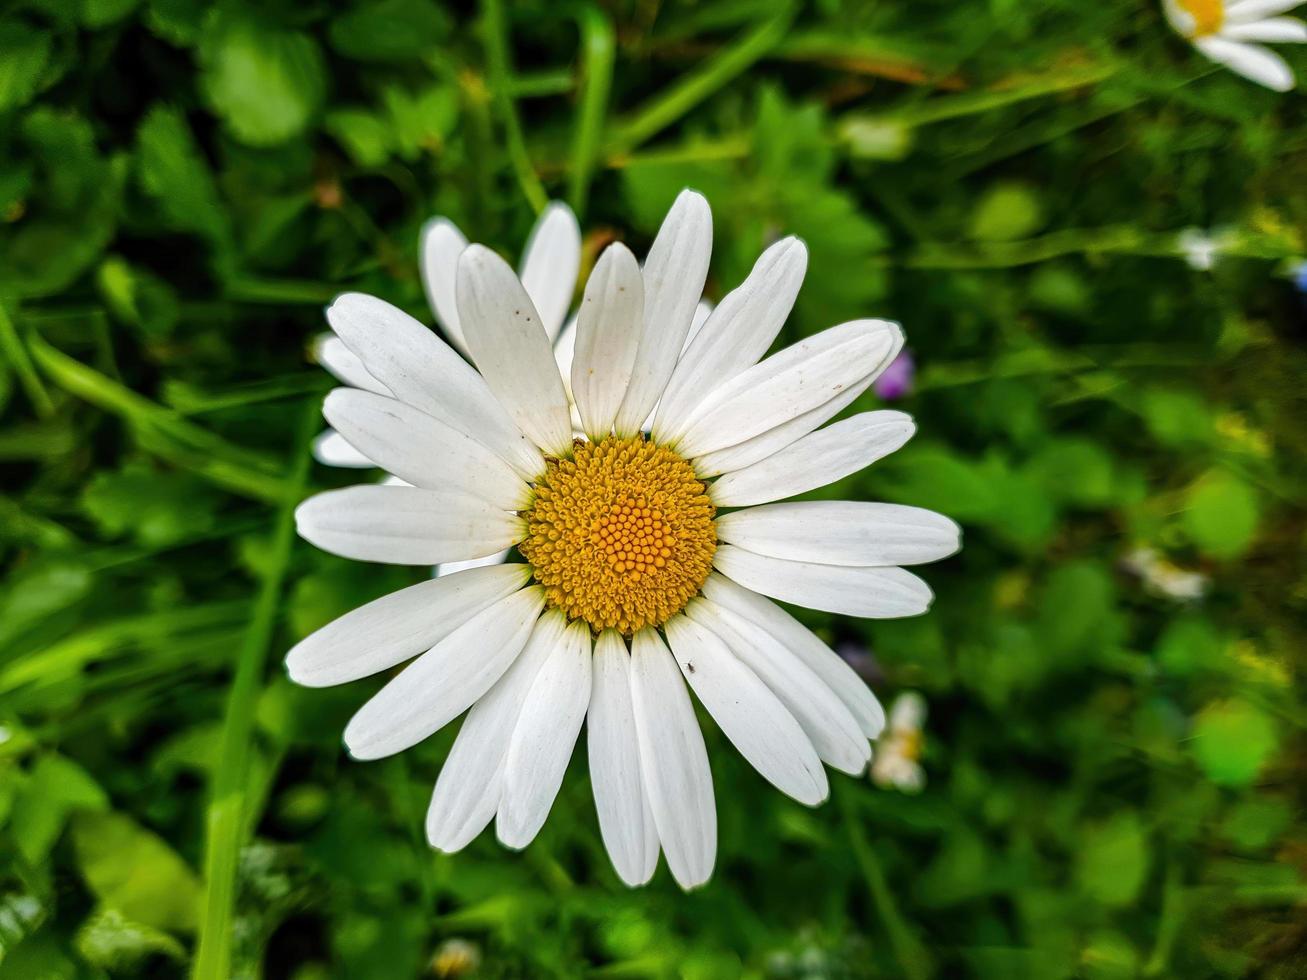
(620, 535)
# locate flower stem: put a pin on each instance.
(499, 71)
(695, 86)
(227, 821)
(16, 354)
(597, 52)
(908, 950)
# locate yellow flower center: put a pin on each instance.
(1208, 15)
(620, 535)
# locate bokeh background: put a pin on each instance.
(1091, 236)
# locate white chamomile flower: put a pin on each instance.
(647, 560)
(1233, 33)
(898, 751)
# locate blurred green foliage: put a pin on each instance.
(1114, 774)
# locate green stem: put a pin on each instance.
(164, 432)
(908, 950)
(499, 71)
(1171, 919)
(12, 346)
(695, 86)
(227, 819)
(597, 53)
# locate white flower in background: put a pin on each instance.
(1228, 32)
(898, 751)
(1199, 249)
(635, 577)
(1164, 578)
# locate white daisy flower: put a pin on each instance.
(648, 560)
(1228, 32)
(898, 751)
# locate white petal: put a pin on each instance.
(608, 330)
(1252, 61)
(543, 740)
(625, 821)
(800, 378)
(445, 681)
(736, 335)
(551, 260)
(842, 532)
(815, 460)
(1282, 30)
(565, 354)
(1244, 11)
(747, 712)
(389, 630)
(772, 441)
(454, 567)
(674, 762)
(470, 784)
(874, 593)
(422, 450)
(330, 448)
(422, 370)
(502, 329)
(330, 351)
(800, 641)
(405, 525)
(701, 314)
(674, 273)
(821, 714)
(441, 245)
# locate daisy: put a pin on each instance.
(898, 752)
(649, 561)
(1227, 31)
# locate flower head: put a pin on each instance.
(1228, 32)
(897, 379)
(898, 751)
(642, 500)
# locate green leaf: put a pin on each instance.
(421, 120)
(389, 30)
(1188, 645)
(1222, 515)
(133, 871)
(1076, 471)
(137, 297)
(24, 52)
(265, 81)
(1112, 860)
(365, 136)
(154, 507)
(1176, 417)
(102, 13)
(1007, 212)
(111, 941)
(1232, 741)
(173, 172)
(56, 788)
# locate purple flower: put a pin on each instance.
(896, 380)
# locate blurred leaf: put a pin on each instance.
(1112, 860)
(174, 172)
(111, 941)
(24, 51)
(388, 30)
(102, 13)
(1222, 515)
(1177, 418)
(56, 788)
(155, 507)
(1232, 741)
(1006, 212)
(366, 137)
(134, 872)
(266, 82)
(1188, 645)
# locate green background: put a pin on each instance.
(1115, 778)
